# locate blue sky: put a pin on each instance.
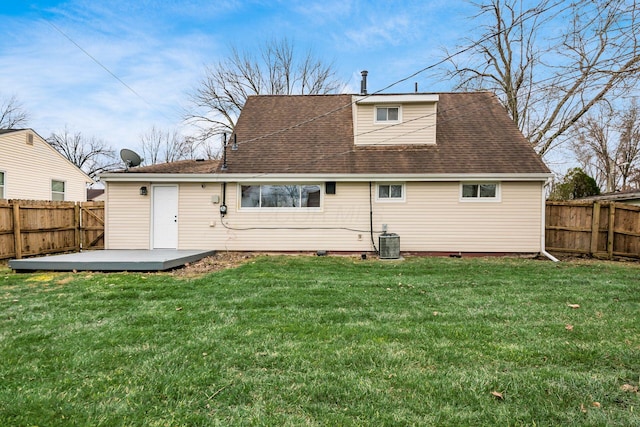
(53, 54)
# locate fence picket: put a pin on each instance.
(30, 228)
(583, 228)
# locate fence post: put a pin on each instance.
(77, 227)
(595, 228)
(611, 230)
(17, 239)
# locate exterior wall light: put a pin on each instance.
(143, 191)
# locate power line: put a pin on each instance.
(480, 105)
(94, 59)
(422, 70)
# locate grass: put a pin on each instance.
(325, 341)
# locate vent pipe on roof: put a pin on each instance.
(224, 151)
(363, 82)
(416, 90)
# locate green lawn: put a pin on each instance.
(332, 341)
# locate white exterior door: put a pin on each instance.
(165, 217)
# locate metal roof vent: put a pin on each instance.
(363, 82)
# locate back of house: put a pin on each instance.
(445, 173)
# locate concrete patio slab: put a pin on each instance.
(112, 260)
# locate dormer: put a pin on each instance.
(400, 119)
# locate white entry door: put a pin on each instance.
(165, 217)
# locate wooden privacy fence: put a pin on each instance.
(32, 227)
(600, 229)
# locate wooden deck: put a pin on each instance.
(112, 260)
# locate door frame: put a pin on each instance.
(153, 213)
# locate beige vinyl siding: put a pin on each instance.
(434, 219)
(431, 219)
(418, 125)
(128, 216)
(199, 217)
(29, 169)
(302, 230)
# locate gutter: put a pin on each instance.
(295, 177)
(543, 231)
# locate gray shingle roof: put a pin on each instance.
(313, 134)
(474, 134)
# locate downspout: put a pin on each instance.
(373, 242)
(543, 231)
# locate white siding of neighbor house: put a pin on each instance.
(127, 216)
(29, 169)
(418, 125)
(431, 219)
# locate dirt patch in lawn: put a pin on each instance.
(217, 262)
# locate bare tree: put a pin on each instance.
(12, 113)
(607, 145)
(276, 70)
(552, 63)
(629, 147)
(160, 146)
(90, 154)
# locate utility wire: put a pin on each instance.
(422, 70)
(94, 59)
(388, 141)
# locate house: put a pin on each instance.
(630, 197)
(95, 194)
(31, 169)
(447, 173)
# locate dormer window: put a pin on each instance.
(387, 114)
(384, 120)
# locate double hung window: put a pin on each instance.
(480, 191)
(387, 114)
(390, 192)
(57, 190)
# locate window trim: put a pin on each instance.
(391, 199)
(477, 198)
(279, 209)
(386, 122)
(64, 190)
(3, 184)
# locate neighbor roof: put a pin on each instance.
(9, 130)
(180, 166)
(314, 134)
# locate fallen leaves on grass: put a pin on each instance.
(629, 388)
(497, 395)
(65, 281)
(569, 327)
(574, 306)
(583, 408)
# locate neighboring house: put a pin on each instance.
(31, 169)
(95, 194)
(447, 173)
(630, 197)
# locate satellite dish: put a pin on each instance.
(130, 158)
